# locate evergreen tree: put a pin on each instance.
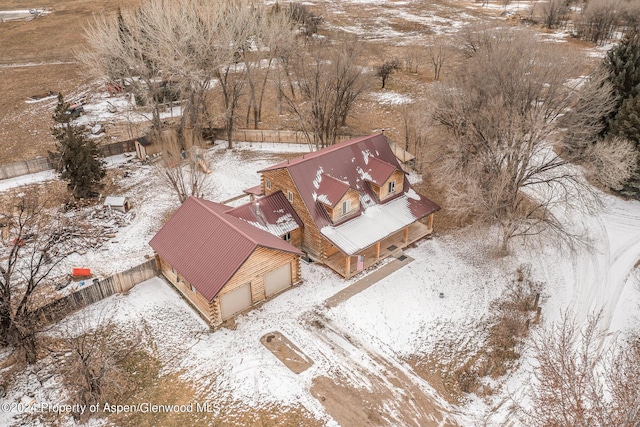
(623, 65)
(77, 158)
(627, 120)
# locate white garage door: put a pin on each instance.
(235, 301)
(277, 280)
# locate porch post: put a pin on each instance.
(378, 249)
(406, 235)
(430, 223)
(347, 267)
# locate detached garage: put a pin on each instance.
(221, 264)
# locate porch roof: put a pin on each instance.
(378, 222)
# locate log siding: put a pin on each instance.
(253, 270)
(312, 240)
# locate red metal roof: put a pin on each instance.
(207, 247)
(331, 190)
(379, 171)
(351, 162)
(257, 190)
(272, 213)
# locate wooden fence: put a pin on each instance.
(24, 167)
(259, 135)
(40, 164)
(116, 148)
(92, 293)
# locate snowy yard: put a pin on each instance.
(358, 343)
(362, 350)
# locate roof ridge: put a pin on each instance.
(312, 155)
(377, 159)
(225, 220)
(336, 179)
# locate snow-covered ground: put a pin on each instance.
(400, 316)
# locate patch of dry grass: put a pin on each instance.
(458, 366)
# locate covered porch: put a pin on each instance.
(347, 266)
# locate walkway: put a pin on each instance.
(367, 281)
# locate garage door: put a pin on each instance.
(277, 280)
(235, 301)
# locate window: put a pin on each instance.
(287, 237)
(290, 196)
(346, 207)
(267, 183)
(392, 186)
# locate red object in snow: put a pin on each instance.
(81, 272)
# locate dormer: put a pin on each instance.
(337, 198)
(384, 179)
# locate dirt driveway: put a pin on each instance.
(370, 385)
(391, 394)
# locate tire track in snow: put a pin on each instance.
(601, 274)
(406, 399)
(621, 223)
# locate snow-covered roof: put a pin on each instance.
(324, 176)
(375, 223)
(207, 246)
(272, 213)
(114, 201)
(331, 190)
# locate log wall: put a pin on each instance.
(354, 197)
(311, 237)
(396, 176)
(259, 263)
(196, 299)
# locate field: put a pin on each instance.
(37, 59)
(383, 357)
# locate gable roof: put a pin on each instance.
(379, 171)
(272, 213)
(207, 247)
(352, 162)
(331, 190)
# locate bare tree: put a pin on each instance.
(121, 50)
(599, 21)
(500, 116)
(412, 59)
(231, 78)
(95, 350)
(384, 71)
(183, 166)
(581, 377)
(38, 240)
(553, 13)
(609, 161)
(181, 45)
(325, 83)
(437, 56)
(269, 32)
(307, 21)
(415, 121)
